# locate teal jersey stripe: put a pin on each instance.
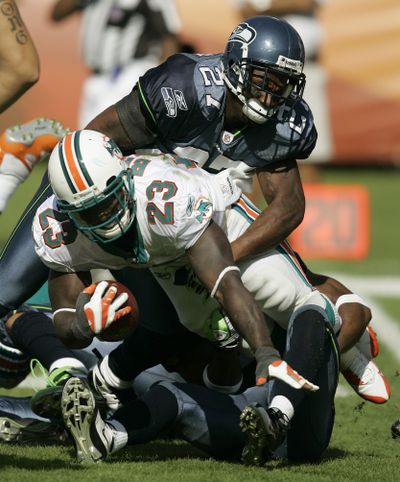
(250, 204)
(238, 208)
(288, 258)
(242, 212)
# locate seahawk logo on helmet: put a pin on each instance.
(93, 185)
(262, 66)
(243, 33)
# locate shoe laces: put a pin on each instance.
(279, 419)
(56, 377)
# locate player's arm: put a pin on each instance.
(83, 309)
(19, 60)
(212, 261)
(283, 191)
(133, 132)
(64, 290)
(354, 313)
(209, 257)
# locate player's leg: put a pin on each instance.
(357, 340)
(31, 431)
(311, 427)
(158, 338)
(21, 271)
(112, 377)
(207, 419)
(279, 280)
(310, 349)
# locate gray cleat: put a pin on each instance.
(93, 438)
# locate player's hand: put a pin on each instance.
(103, 307)
(269, 365)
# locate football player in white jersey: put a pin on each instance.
(166, 213)
(158, 213)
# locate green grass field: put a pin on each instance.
(361, 448)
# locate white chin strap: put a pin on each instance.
(256, 112)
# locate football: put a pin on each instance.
(124, 326)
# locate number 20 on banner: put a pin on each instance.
(336, 223)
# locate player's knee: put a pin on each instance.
(307, 320)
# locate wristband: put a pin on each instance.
(349, 298)
(267, 354)
(61, 310)
(221, 275)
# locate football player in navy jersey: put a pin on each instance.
(242, 108)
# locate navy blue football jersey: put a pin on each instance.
(183, 101)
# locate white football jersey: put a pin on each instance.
(175, 201)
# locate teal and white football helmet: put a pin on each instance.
(93, 185)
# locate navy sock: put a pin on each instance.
(34, 334)
(148, 416)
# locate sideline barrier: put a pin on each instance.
(336, 224)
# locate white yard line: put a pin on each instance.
(386, 327)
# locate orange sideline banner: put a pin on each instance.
(336, 223)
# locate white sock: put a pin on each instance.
(120, 435)
(283, 404)
(67, 362)
(110, 377)
(8, 185)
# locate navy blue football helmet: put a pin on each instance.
(264, 56)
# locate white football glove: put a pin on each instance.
(103, 308)
(269, 365)
(281, 370)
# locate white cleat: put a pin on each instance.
(364, 376)
(21, 148)
(29, 142)
(368, 343)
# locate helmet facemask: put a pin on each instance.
(254, 80)
(104, 217)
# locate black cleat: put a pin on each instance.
(265, 430)
(396, 429)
